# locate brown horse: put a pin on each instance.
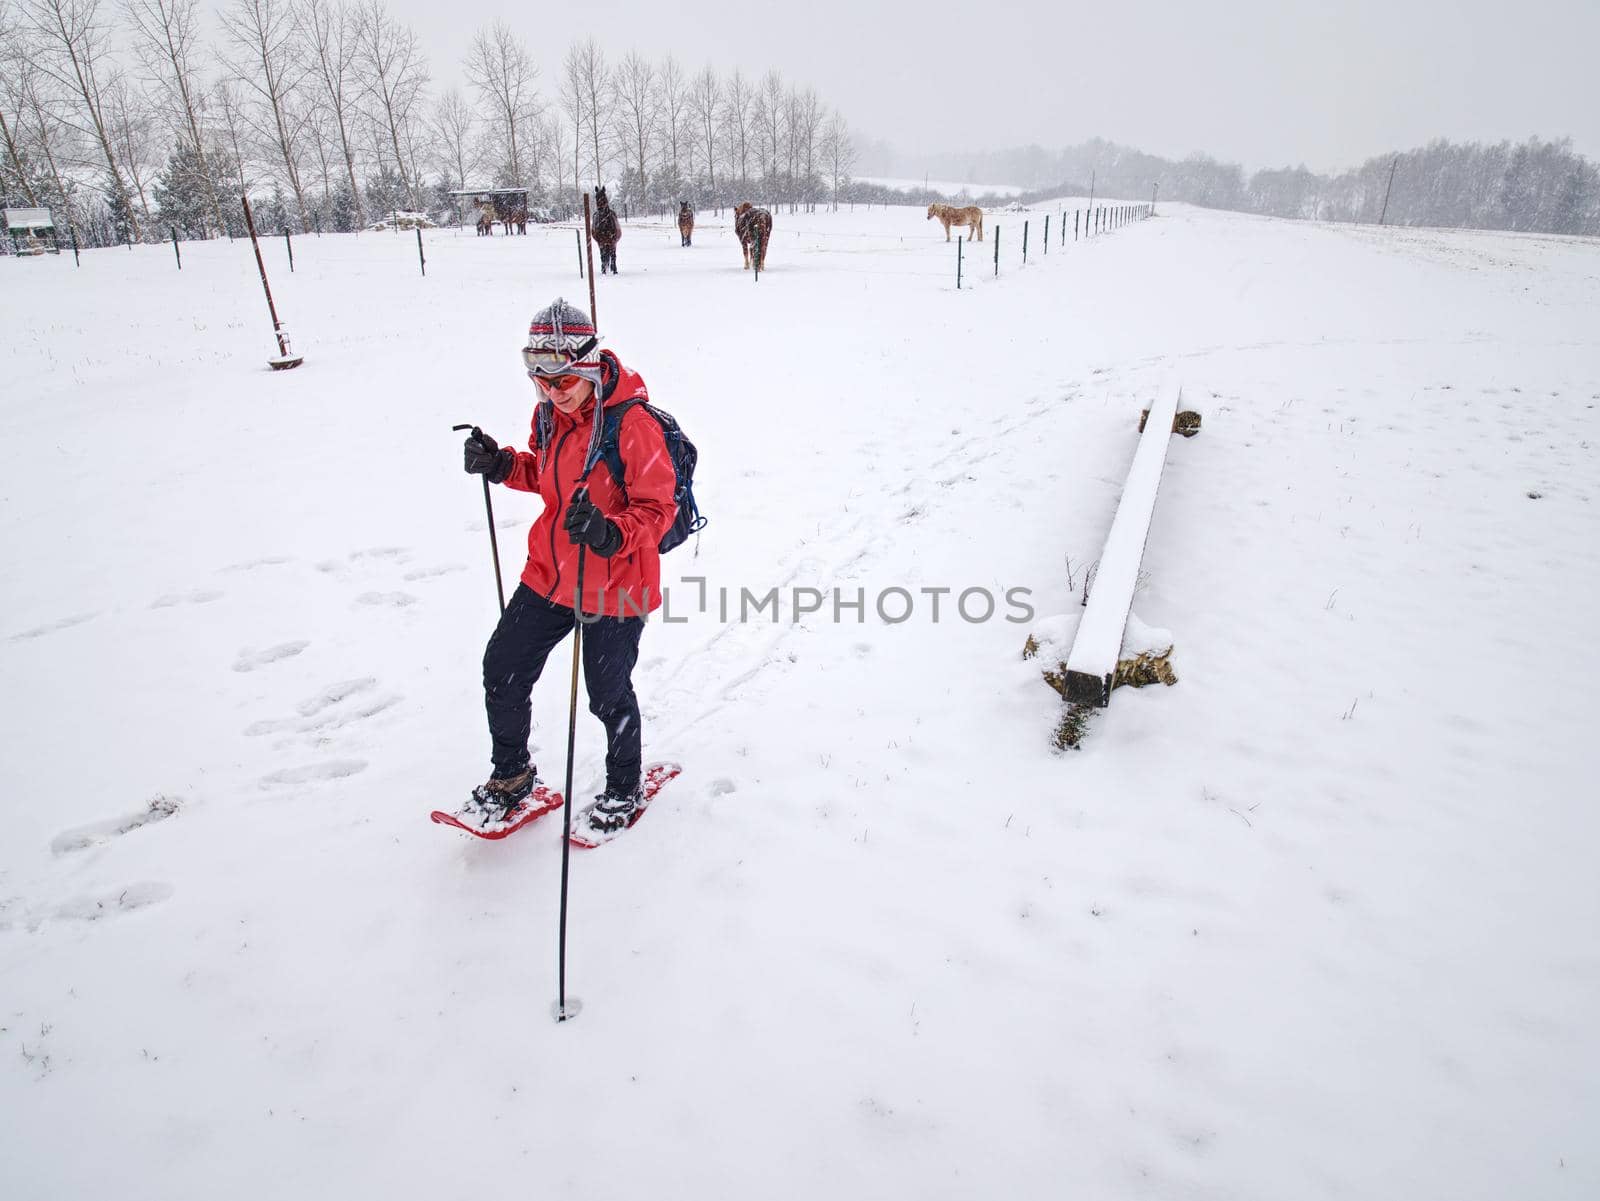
(685, 222)
(485, 223)
(754, 227)
(971, 217)
(607, 230)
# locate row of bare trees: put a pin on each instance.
(124, 116)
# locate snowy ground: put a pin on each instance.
(1318, 922)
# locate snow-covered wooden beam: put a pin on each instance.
(1092, 665)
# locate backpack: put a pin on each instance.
(682, 452)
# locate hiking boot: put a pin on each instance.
(614, 811)
(499, 795)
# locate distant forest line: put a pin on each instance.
(1536, 186)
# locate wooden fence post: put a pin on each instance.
(422, 259)
(290, 245)
(175, 250)
(997, 252)
(959, 240)
(1047, 233)
(1024, 243)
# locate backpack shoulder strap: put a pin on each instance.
(608, 451)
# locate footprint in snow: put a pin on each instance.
(429, 573)
(122, 900)
(82, 837)
(198, 596)
(65, 623)
(398, 554)
(327, 720)
(333, 694)
(312, 773)
(393, 600)
(250, 660)
(251, 565)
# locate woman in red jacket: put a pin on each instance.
(619, 522)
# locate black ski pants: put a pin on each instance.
(529, 630)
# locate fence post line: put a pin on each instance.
(421, 258)
(290, 245)
(997, 252)
(1076, 213)
(175, 251)
(1047, 233)
(577, 235)
(959, 240)
(1024, 243)
(76, 262)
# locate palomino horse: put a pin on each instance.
(971, 217)
(754, 227)
(607, 231)
(685, 222)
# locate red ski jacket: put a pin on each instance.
(628, 584)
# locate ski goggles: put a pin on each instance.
(545, 362)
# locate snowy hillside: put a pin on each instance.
(1320, 921)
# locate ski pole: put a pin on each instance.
(563, 1013)
(488, 506)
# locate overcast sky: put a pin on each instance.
(1260, 82)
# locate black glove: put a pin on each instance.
(587, 526)
(482, 455)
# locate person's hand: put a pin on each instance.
(482, 455)
(587, 526)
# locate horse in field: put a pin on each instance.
(486, 223)
(685, 222)
(607, 230)
(971, 217)
(754, 227)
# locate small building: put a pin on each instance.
(28, 230)
(508, 206)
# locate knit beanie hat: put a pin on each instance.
(565, 329)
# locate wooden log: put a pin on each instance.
(1092, 666)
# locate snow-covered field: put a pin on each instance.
(1321, 921)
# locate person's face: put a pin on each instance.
(569, 393)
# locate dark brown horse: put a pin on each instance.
(685, 222)
(607, 231)
(754, 227)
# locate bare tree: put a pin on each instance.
(128, 113)
(738, 101)
(455, 136)
(264, 36)
(230, 115)
(672, 107)
(555, 137)
(838, 153)
(501, 69)
(330, 27)
(74, 51)
(594, 83)
(14, 74)
(395, 74)
(705, 99)
(574, 108)
(769, 122)
(635, 89)
(166, 41)
(807, 129)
